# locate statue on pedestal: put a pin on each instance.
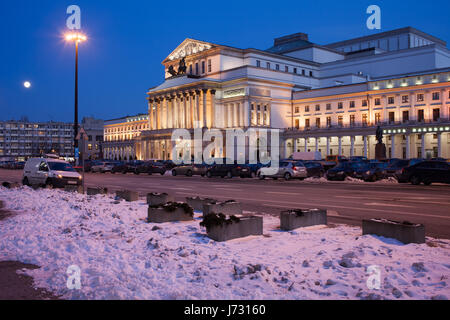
(380, 148)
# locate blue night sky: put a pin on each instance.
(128, 40)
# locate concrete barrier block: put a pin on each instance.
(232, 228)
(197, 203)
(293, 219)
(128, 195)
(405, 232)
(170, 212)
(229, 207)
(157, 199)
(94, 191)
(73, 188)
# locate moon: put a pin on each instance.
(27, 84)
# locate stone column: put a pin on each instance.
(166, 102)
(317, 144)
(204, 114)
(235, 115)
(295, 144)
(197, 107)
(365, 147)
(247, 113)
(393, 146)
(213, 108)
(424, 137)
(150, 114)
(225, 115)
(306, 144)
(328, 146)
(408, 147)
(439, 144)
(158, 114)
(340, 146)
(191, 111)
(352, 146)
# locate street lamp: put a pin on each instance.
(76, 37)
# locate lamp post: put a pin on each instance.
(77, 38)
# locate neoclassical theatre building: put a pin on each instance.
(327, 98)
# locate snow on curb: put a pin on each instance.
(123, 257)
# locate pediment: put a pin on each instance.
(188, 47)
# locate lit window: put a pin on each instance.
(209, 65)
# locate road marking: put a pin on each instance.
(286, 193)
(386, 205)
(172, 188)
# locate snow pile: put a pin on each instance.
(123, 257)
(389, 180)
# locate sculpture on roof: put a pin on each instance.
(182, 67)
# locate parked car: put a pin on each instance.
(223, 168)
(314, 169)
(190, 170)
(358, 158)
(102, 167)
(119, 167)
(343, 170)
(395, 169)
(131, 166)
(151, 167)
(427, 172)
(336, 159)
(287, 170)
(50, 172)
(249, 170)
(371, 172)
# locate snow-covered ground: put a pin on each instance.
(123, 257)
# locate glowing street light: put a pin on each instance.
(76, 37)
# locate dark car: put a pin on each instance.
(314, 169)
(358, 158)
(343, 170)
(190, 169)
(371, 172)
(427, 172)
(223, 169)
(119, 167)
(395, 169)
(151, 167)
(249, 170)
(131, 166)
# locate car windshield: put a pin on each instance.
(284, 164)
(400, 163)
(60, 166)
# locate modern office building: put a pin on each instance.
(120, 136)
(20, 140)
(328, 98)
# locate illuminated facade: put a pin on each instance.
(120, 136)
(328, 98)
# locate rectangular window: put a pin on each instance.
(286, 68)
(364, 119)
(390, 100)
(306, 108)
(352, 120)
(328, 106)
(318, 122)
(203, 67)
(391, 117)
(196, 68)
(377, 101)
(405, 99)
(364, 103)
(352, 104)
(303, 72)
(209, 65)
(420, 115)
(436, 96)
(340, 105)
(377, 118)
(405, 116)
(268, 65)
(310, 73)
(340, 121)
(420, 97)
(436, 114)
(297, 123)
(317, 107)
(295, 70)
(258, 63)
(277, 67)
(328, 121)
(297, 109)
(190, 69)
(306, 123)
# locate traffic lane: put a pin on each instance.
(346, 202)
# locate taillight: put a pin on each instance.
(294, 168)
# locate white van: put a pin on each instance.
(50, 172)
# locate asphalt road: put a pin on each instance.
(347, 203)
